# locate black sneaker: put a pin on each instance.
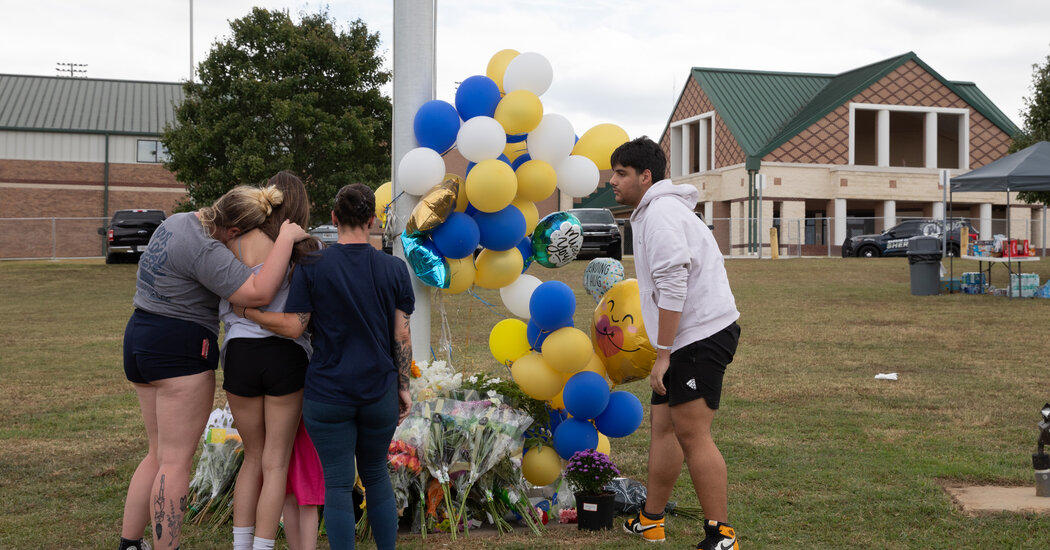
(718, 536)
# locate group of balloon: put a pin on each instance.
(518, 156)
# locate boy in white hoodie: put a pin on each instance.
(690, 314)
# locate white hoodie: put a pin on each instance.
(679, 266)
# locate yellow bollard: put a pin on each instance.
(774, 246)
(964, 240)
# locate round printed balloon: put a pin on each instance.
(601, 274)
(618, 334)
(557, 239)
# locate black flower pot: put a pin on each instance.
(595, 512)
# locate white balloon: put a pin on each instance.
(481, 138)
(516, 295)
(419, 170)
(577, 176)
(552, 140)
(528, 71)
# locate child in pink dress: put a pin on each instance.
(304, 493)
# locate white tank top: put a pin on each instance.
(239, 327)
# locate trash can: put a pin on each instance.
(924, 257)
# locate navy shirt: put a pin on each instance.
(351, 292)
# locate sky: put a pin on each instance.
(618, 61)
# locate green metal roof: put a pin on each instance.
(765, 109)
(48, 103)
(603, 197)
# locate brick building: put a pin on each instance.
(842, 153)
(79, 148)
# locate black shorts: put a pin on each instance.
(263, 366)
(158, 347)
(696, 371)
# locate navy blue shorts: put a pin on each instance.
(697, 370)
(263, 366)
(158, 347)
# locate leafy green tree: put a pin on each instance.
(280, 95)
(1036, 123)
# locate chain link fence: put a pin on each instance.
(52, 238)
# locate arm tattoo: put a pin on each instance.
(403, 360)
(304, 318)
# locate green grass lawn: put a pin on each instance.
(820, 454)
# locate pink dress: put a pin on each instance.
(305, 477)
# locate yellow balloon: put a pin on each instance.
(515, 150)
(536, 180)
(520, 112)
(383, 196)
(491, 185)
(619, 336)
(558, 401)
(604, 446)
(599, 142)
(498, 268)
(567, 350)
(528, 209)
(498, 65)
(541, 466)
(508, 341)
(461, 273)
(595, 365)
(535, 377)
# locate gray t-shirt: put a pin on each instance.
(183, 273)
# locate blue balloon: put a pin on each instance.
(457, 236)
(477, 96)
(535, 335)
(504, 158)
(516, 138)
(552, 305)
(426, 261)
(470, 166)
(470, 210)
(586, 394)
(436, 125)
(557, 417)
(522, 159)
(621, 416)
(574, 435)
(501, 230)
(525, 247)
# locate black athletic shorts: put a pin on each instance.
(158, 347)
(697, 370)
(263, 366)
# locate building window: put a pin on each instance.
(151, 150)
(912, 137)
(692, 145)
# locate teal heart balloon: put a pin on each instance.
(426, 262)
(557, 239)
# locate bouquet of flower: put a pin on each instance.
(589, 471)
(405, 468)
(430, 380)
(211, 489)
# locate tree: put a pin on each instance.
(277, 95)
(1036, 123)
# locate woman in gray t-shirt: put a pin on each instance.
(170, 348)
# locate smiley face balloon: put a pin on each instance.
(619, 336)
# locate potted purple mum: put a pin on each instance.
(588, 472)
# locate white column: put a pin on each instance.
(883, 136)
(686, 148)
(889, 214)
(931, 140)
(414, 85)
(985, 228)
(840, 222)
(701, 143)
(676, 151)
(938, 210)
(964, 142)
(709, 212)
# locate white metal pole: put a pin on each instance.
(414, 84)
(761, 184)
(945, 181)
(191, 41)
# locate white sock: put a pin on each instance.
(242, 537)
(263, 544)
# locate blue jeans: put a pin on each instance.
(340, 433)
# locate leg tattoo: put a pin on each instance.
(158, 510)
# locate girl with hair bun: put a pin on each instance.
(170, 347)
(359, 300)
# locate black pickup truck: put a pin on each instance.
(129, 233)
(601, 235)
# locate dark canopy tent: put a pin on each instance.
(1025, 170)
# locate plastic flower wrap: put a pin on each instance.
(211, 489)
(434, 379)
(405, 469)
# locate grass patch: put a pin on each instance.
(820, 454)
